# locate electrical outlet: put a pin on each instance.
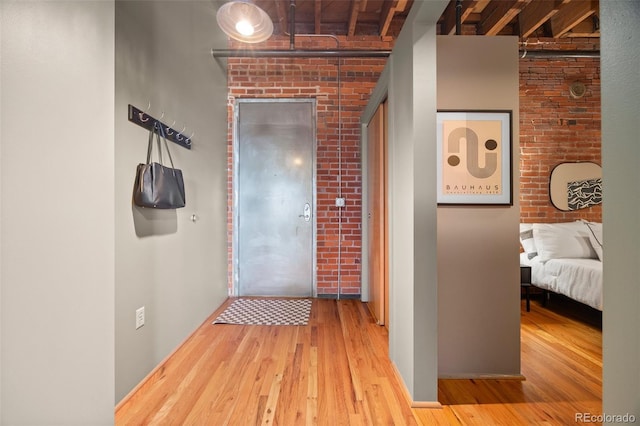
(139, 317)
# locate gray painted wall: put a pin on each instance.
(412, 211)
(620, 45)
(174, 267)
(478, 247)
(77, 259)
(57, 218)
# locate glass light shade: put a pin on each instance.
(244, 21)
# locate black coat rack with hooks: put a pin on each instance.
(143, 119)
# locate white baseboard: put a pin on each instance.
(407, 395)
(519, 377)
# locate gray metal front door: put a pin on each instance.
(274, 197)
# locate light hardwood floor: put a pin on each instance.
(336, 371)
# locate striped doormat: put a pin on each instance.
(266, 312)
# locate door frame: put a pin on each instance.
(236, 170)
(380, 95)
(376, 208)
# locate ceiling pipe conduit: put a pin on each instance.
(458, 17)
(559, 54)
(299, 53)
(292, 25)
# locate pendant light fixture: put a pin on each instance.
(244, 21)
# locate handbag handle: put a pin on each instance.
(158, 131)
(149, 147)
(166, 146)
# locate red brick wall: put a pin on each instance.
(555, 128)
(318, 78)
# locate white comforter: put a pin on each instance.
(579, 279)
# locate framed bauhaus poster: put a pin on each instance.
(474, 157)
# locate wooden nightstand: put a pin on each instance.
(525, 281)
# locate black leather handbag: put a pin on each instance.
(156, 185)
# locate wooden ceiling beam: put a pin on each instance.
(449, 16)
(481, 4)
(353, 17)
(281, 10)
(586, 28)
(389, 9)
(317, 16)
(536, 14)
(498, 14)
(570, 15)
(401, 5)
(526, 18)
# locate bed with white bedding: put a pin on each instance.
(565, 258)
(579, 279)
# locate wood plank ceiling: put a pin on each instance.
(338, 17)
(524, 18)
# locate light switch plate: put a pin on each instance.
(139, 317)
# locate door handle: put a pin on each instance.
(306, 213)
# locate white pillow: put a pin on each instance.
(527, 241)
(595, 237)
(563, 240)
